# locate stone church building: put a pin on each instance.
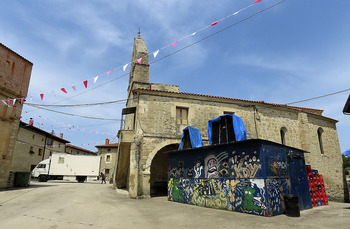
(156, 114)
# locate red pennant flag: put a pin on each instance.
(64, 90)
(42, 96)
(174, 43)
(10, 101)
(257, 1)
(22, 99)
(85, 83)
(214, 23)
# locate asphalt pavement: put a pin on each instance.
(63, 204)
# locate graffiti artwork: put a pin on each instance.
(237, 179)
(216, 165)
(245, 166)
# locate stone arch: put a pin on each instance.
(157, 168)
(155, 151)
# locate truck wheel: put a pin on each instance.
(42, 178)
(81, 179)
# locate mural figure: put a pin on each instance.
(198, 168)
(212, 168)
(248, 197)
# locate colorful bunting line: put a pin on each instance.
(155, 53)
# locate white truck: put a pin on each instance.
(68, 167)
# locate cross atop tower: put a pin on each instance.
(139, 33)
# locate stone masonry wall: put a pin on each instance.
(156, 122)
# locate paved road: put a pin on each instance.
(93, 205)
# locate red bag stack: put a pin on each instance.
(317, 190)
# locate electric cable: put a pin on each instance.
(321, 96)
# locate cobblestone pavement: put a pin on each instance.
(62, 204)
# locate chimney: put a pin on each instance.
(61, 135)
(31, 122)
(107, 141)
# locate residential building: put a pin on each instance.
(72, 149)
(34, 145)
(15, 72)
(108, 153)
(156, 114)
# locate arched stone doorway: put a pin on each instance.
(159, 171)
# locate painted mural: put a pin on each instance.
(239, 179)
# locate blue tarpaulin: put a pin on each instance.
(347, 153)
(195, 137)
(238, 126)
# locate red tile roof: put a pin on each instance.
(78, 148)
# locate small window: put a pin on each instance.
(108, 158)
(108, 150)
(182, 115)
(229, 112)
(50, 153)
(283, 132)
(31, 150)
(106, 172)
(33, 136)
(60, 160)
(40, 152)
(42, 139)
(320, 133)
(42, 166)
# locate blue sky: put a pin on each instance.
(294, 51)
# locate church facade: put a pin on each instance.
(156, 114)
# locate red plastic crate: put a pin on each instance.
(308, 168)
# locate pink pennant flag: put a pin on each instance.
(155, 53)
(85, 83)
(42, 96)
(174, 43)
(10, 102)
(214, 23)
(64, 90)
(22, 99)
(109, 72)
(73, 86)
(14, 108)
(257, 1)
(139, 60)
(95, 79)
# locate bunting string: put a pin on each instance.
(60, 146)
(155, 53)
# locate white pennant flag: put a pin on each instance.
(73, 86)
(5, 103)
(95, 79)
(192, 34)
(124, 67)
(155, 53)
(14, 101)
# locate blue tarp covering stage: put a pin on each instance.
(238, 126)
(347, 153)
(195, 137)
